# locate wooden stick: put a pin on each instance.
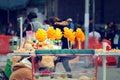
(79, 43)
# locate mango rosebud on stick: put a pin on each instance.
(80, 36)
(69, 34)
(51, 33)
(58, 34)
(41, 35)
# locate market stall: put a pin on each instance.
(47, 47)
(96, 53)
(80, 74)
(67, 52)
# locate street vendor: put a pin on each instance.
(57, 23)
(22, 70)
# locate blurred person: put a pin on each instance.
(116, 41)
(110, 32)
(25, 24)
(46, 24)
(116, 38)
(57, 23)
(71, 24)
(118, 64)
(34, 24)
(118, 33)
(118, 46)
(95, 34)
(22, 70)
(9, 30)
(26, 27)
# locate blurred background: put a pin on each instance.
(102, 10)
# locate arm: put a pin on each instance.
(63, 23)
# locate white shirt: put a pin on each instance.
(96, 34)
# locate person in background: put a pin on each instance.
(118, 33)
(34, 24)
(46, 24)
(116, 39)
(25, 24)
(110, 32)
(118, 62)
(9, 30)
(71, 24)
(118, 46)
(57, 23)
(21, 70)
(95, 34)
